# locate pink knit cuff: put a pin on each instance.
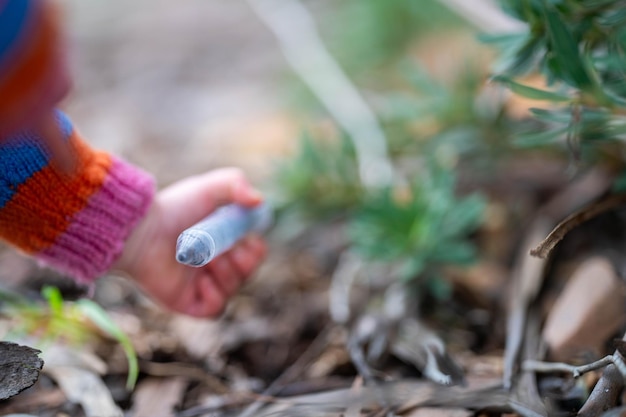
(95, 237)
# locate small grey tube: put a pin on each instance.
(219, 231)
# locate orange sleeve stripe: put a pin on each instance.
(40, 50)
(45, 204)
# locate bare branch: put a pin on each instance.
(576, 371)
(587, 213)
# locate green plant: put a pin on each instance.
(380, 31)
(431, 114)
(321, 180)
(415, 229)
(429, 129)
(421, 229)
(578, 48)
(69, 322)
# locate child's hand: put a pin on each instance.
(149, 254)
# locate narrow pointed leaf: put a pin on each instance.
(565, 53)
(530, 92)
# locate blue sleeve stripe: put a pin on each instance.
(23, 155)
(13, 16)
(65, 124)
(20, 158)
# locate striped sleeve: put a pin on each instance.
(76, 223)
(33, 73)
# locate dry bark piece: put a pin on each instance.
(19, 368)
(158, 396)
(588, 311)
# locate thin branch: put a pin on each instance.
(574, 220)
(302, 46)
(576, 371)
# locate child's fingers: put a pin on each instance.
(249, 254)
(209, 300)
(226, 275)
(238, 264)
(192, 199)
(228, 185)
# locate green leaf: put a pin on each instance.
(505, 40)
(412, 268)
(54, 298)
(529, 140)
(565, 53)
(615, 130)
(465, 216)
(526, 56)
(530, 92)
(561, 116)
(459, 253)
(615, 18)
(101, 319)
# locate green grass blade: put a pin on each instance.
(530, 92)
(101, 319)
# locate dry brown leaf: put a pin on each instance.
(158, 396)
(84, 387)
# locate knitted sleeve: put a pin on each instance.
(76, 223)
(33, 73)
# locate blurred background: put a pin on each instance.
(183, 88)
(178, 88)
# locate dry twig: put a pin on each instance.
(576, 371)
(585, 214)
(606, 392)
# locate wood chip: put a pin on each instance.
(158, 397)
(19, 368)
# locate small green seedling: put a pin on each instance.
(71, 322)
